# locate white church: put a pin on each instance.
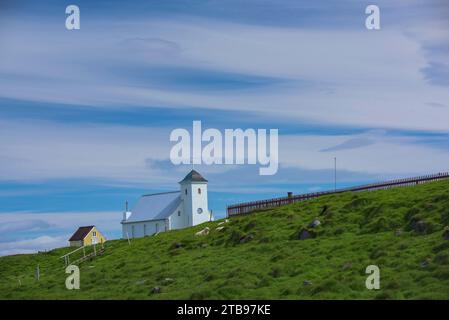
(159, 212)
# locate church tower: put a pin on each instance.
(194, 198)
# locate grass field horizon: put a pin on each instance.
(261, 255)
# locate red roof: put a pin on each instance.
(81, 233)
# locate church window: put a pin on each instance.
(199, 190)
(179, 213)
(186, 191)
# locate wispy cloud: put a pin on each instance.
(437, 73)
(48, 150)
(27, 225)
(43, 231)
(32, 245)
(342, 76)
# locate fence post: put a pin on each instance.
(37, 273)
(127, 236)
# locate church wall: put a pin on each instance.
(186, 203)
(141, 229)
(178, 221)
(199, 200)
(194, 200)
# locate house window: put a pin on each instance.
(94, 233)
(179, 213)
(199, 190)
(186, 191)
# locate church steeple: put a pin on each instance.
(194, 198)
(193, 176)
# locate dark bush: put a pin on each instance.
(303, 234)
(235, 237)
(200, 295)
(275, 272)
(250, 225)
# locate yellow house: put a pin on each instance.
(86, 236)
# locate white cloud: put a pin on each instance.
(107, 221)
(52, 229)
(46, 150)
(383, 154)
(123, 155)
(24, 225)
(32, 245)
(355, 77)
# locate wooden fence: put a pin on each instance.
(85, 254)
(248, 207)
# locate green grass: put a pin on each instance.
(357, 230)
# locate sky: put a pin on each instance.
(86, 115)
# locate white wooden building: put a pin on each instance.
(165, 211)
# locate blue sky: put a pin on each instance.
(85, 115)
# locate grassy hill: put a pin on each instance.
(260, 256)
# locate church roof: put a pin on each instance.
(157, 206)
(193, 176)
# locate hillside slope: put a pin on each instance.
(260, 256)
